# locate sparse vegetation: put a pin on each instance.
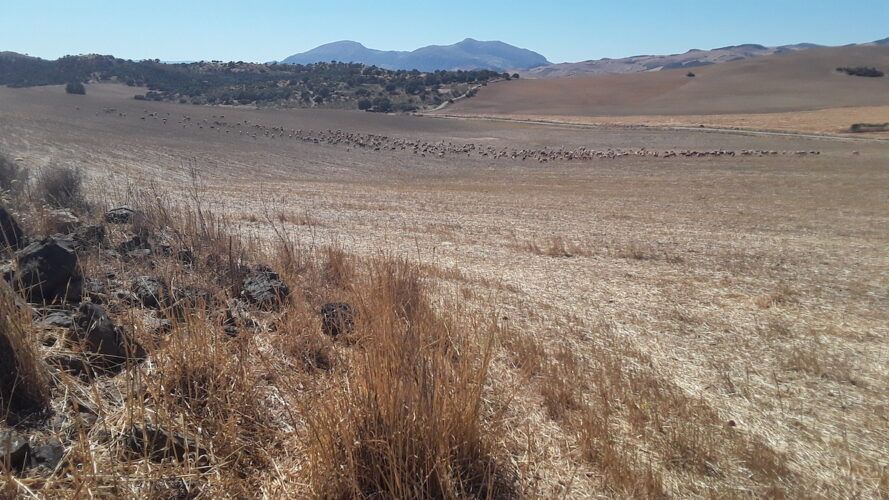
(13, 176)
(394, 407)
(323, 84)
(865, 71)
(75, 88)
(869, 127)
(61, 187)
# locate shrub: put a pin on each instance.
(365, 104)
(861, 71)
(382, 105)
(870, 127)
(12, 176)
(61, 187)
(75, 88)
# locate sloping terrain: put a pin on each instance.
(803, 80)
(683, 326)
(639, 64)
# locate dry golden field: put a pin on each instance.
(794, 92)
(684, 326)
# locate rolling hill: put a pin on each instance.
(466, 55)
(790, 81)
(693, 58)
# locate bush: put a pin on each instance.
(870, 127)
(75, 88)
(861, 71)
(61, 187)
(12, 176)
(365, 104)
(382, 105)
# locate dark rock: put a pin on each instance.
(57, 319)
(337, 318)
(150, 292)
(47, 270)
(134, 244)
(48, 455)
(14, 451)
(157, 444)
(110, 346)
(90, 235)
(11, 235)
(120, 215)
(264, 288)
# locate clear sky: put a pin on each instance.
(562, 30)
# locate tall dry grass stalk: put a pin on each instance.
(24, 382)
(407, 421)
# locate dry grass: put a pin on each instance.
(60, 187)
(719, 331)
(556, 247)
(24, 382)
(560, 247)
(13, 176)
(407, 423)
(394, 409)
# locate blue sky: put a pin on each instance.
(566, 30)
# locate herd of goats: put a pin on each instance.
(441, 149)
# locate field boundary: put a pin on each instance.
(707, 129)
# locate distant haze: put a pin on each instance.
(468, 54)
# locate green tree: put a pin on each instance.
(75, 88)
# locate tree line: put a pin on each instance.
(217, 82)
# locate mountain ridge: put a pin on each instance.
(464, 55)
(690, 59)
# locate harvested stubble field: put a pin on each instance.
(791, 92)
(684, 326)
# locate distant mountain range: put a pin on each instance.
(691, 59)
(466, 55)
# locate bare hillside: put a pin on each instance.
(804, 80)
